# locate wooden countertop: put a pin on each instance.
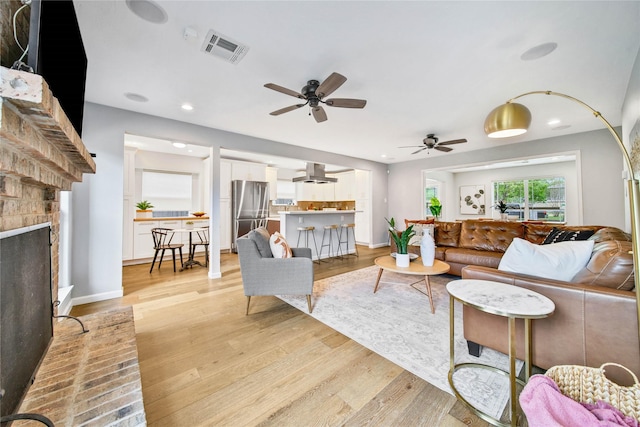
(172, 218)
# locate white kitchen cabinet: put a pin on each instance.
(142, 239)
(248, 171)
(225, 224)
(345, 188)
(225, 179)
(272, 179)
(363, 221)
(129, 167)
(315, 192)
(363, 184)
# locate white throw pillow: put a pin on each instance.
(420, 229)
(279, 246)
(560, 261)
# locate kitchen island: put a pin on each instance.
(291, 220)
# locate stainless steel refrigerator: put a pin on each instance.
(249, 207)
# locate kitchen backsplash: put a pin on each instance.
(343, 205)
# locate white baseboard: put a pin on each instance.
(64, 296)
(378, 245)
(214, 274)
(97, 297)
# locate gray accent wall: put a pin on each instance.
(98, 200)
(603, 199)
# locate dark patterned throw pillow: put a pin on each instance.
(556, 235)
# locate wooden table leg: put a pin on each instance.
(426, 281)
(378, 281)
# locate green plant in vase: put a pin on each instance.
(435, 207)
(401, 239)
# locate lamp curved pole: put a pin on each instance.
(632, 184)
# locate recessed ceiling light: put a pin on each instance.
(187, 107)
(136, 97)
(179, 144)
(384, 155)
(553, 122)
(539, 51)
(148, 10)
(561, 127)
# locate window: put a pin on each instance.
(167, 191)
(431, 189)
(533, 199)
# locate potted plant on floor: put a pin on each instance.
(144, 209)
(402, 242)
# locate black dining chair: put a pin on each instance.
(201, 238)
(161, 242)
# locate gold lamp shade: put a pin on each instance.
(509, 119)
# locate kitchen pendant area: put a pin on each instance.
(350, 191)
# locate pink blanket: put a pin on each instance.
(545, 406)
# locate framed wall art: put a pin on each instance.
(472, 201)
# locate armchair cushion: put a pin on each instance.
(262, 242)
(279, 246)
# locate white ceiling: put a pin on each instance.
(423, 66)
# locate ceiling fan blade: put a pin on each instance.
(286, 109)
(284, 90)
(330, 84)
(455, 141)
(346, 102)
(319, 114)
(445, 149)
(412, 146)
(417, 151)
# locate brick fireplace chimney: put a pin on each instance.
(41, 154)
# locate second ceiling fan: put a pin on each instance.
(314, 93)
(431, 142)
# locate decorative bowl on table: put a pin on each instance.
(198, 214)
(411, 256)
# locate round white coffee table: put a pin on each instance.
(415, 268)
(504, 300)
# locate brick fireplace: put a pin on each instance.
(40, 155)
(85, 378)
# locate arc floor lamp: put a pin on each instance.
(511, 119)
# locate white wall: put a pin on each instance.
(98, 200)
(601, 181)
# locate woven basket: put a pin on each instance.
(589, 385)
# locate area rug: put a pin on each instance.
(396, 323)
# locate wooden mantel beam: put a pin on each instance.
(33, 125)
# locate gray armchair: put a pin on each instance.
(262, 274)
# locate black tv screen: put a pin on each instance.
(56, 52)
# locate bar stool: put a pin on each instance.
(330, 228)
(306, 231)
(344, 228)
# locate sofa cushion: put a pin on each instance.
(489, 235)
(420, 229)
(610, 233)
(611, 265)
(262, 241)
(560, 261)
(472, 257)
(279, 247)
(447, 233)
(556, 235)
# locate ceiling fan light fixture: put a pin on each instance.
(510, 119)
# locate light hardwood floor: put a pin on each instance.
(204, 363)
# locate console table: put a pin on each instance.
(504, 300)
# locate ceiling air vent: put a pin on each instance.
(217, 44)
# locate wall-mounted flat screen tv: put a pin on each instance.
(56, 52)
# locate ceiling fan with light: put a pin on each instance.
(431, 142)
(314, 93)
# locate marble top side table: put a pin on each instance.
(504, 300)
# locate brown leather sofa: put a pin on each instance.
(595, 320)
